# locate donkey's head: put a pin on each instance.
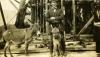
(34, 26)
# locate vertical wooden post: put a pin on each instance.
(62, 4)
(5, 25)
(44, 17)
(33, 9)
(37, 11)
(46, 5)
(41, 15)
(73, 22)
(46, 9)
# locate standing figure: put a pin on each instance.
(19, 23)
(55, 17)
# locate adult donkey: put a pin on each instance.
(17, 36)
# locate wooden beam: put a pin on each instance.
(73, 21)
(86, 25)
(5, 25)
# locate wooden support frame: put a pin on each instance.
(3, 18)
(73, 21)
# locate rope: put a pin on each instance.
(13, 4)
(11, 19)
(16, 1)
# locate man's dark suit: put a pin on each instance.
(59, 16)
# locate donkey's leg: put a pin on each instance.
(55, 49)
(26, 47)
(27, 42)
(10, 50)
(51, 46)
(5, 49)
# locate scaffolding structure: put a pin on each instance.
(70, 8)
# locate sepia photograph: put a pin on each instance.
(49, 28)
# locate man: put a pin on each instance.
(54, 17)
(21, 15)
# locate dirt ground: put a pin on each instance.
(68, 54)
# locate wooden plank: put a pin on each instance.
(5, 25)
(86, 25)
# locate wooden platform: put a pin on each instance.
(69, 46)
